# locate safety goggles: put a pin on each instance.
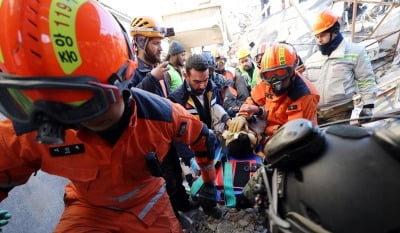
(68, 100)
(220, 62)
(276, 74)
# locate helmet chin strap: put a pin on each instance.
(142, 42)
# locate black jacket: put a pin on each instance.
(145, 81)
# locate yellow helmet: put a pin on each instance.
(217, 54)
(242, 52)
(149, 27)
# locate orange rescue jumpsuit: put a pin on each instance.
(300, 101)
(112, 189)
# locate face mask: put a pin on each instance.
(277, 88)
(329, 47)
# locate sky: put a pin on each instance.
(150, 7)
(134, 7)
(158, 7)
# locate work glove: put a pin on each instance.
(4, 217)
(194, 166)
(367, 110)
(237, 124)
(208, 200)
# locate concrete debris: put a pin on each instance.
(233, 221)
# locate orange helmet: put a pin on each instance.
(278, 63)
(260, 52)
(67, 52)
(325, 20)
(149, 27)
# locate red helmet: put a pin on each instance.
(60, 51)
(278, 63)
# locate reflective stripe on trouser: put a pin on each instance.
(80, 217)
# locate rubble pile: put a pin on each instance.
(233, 221)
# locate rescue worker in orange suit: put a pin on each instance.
(77, 79)
(283, 95)
(261, 50)
(150, 75)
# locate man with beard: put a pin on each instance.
(224, 88)
(147, 34)
(246, 74)
(339, 70)
(199, 96)
(176, 58)
(283, 95)
(150, 75)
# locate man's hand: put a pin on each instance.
(159, 71)
(237, 124)
(4, 217)
(250, 109)
(366, 111)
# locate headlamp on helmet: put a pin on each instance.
(149, 27)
